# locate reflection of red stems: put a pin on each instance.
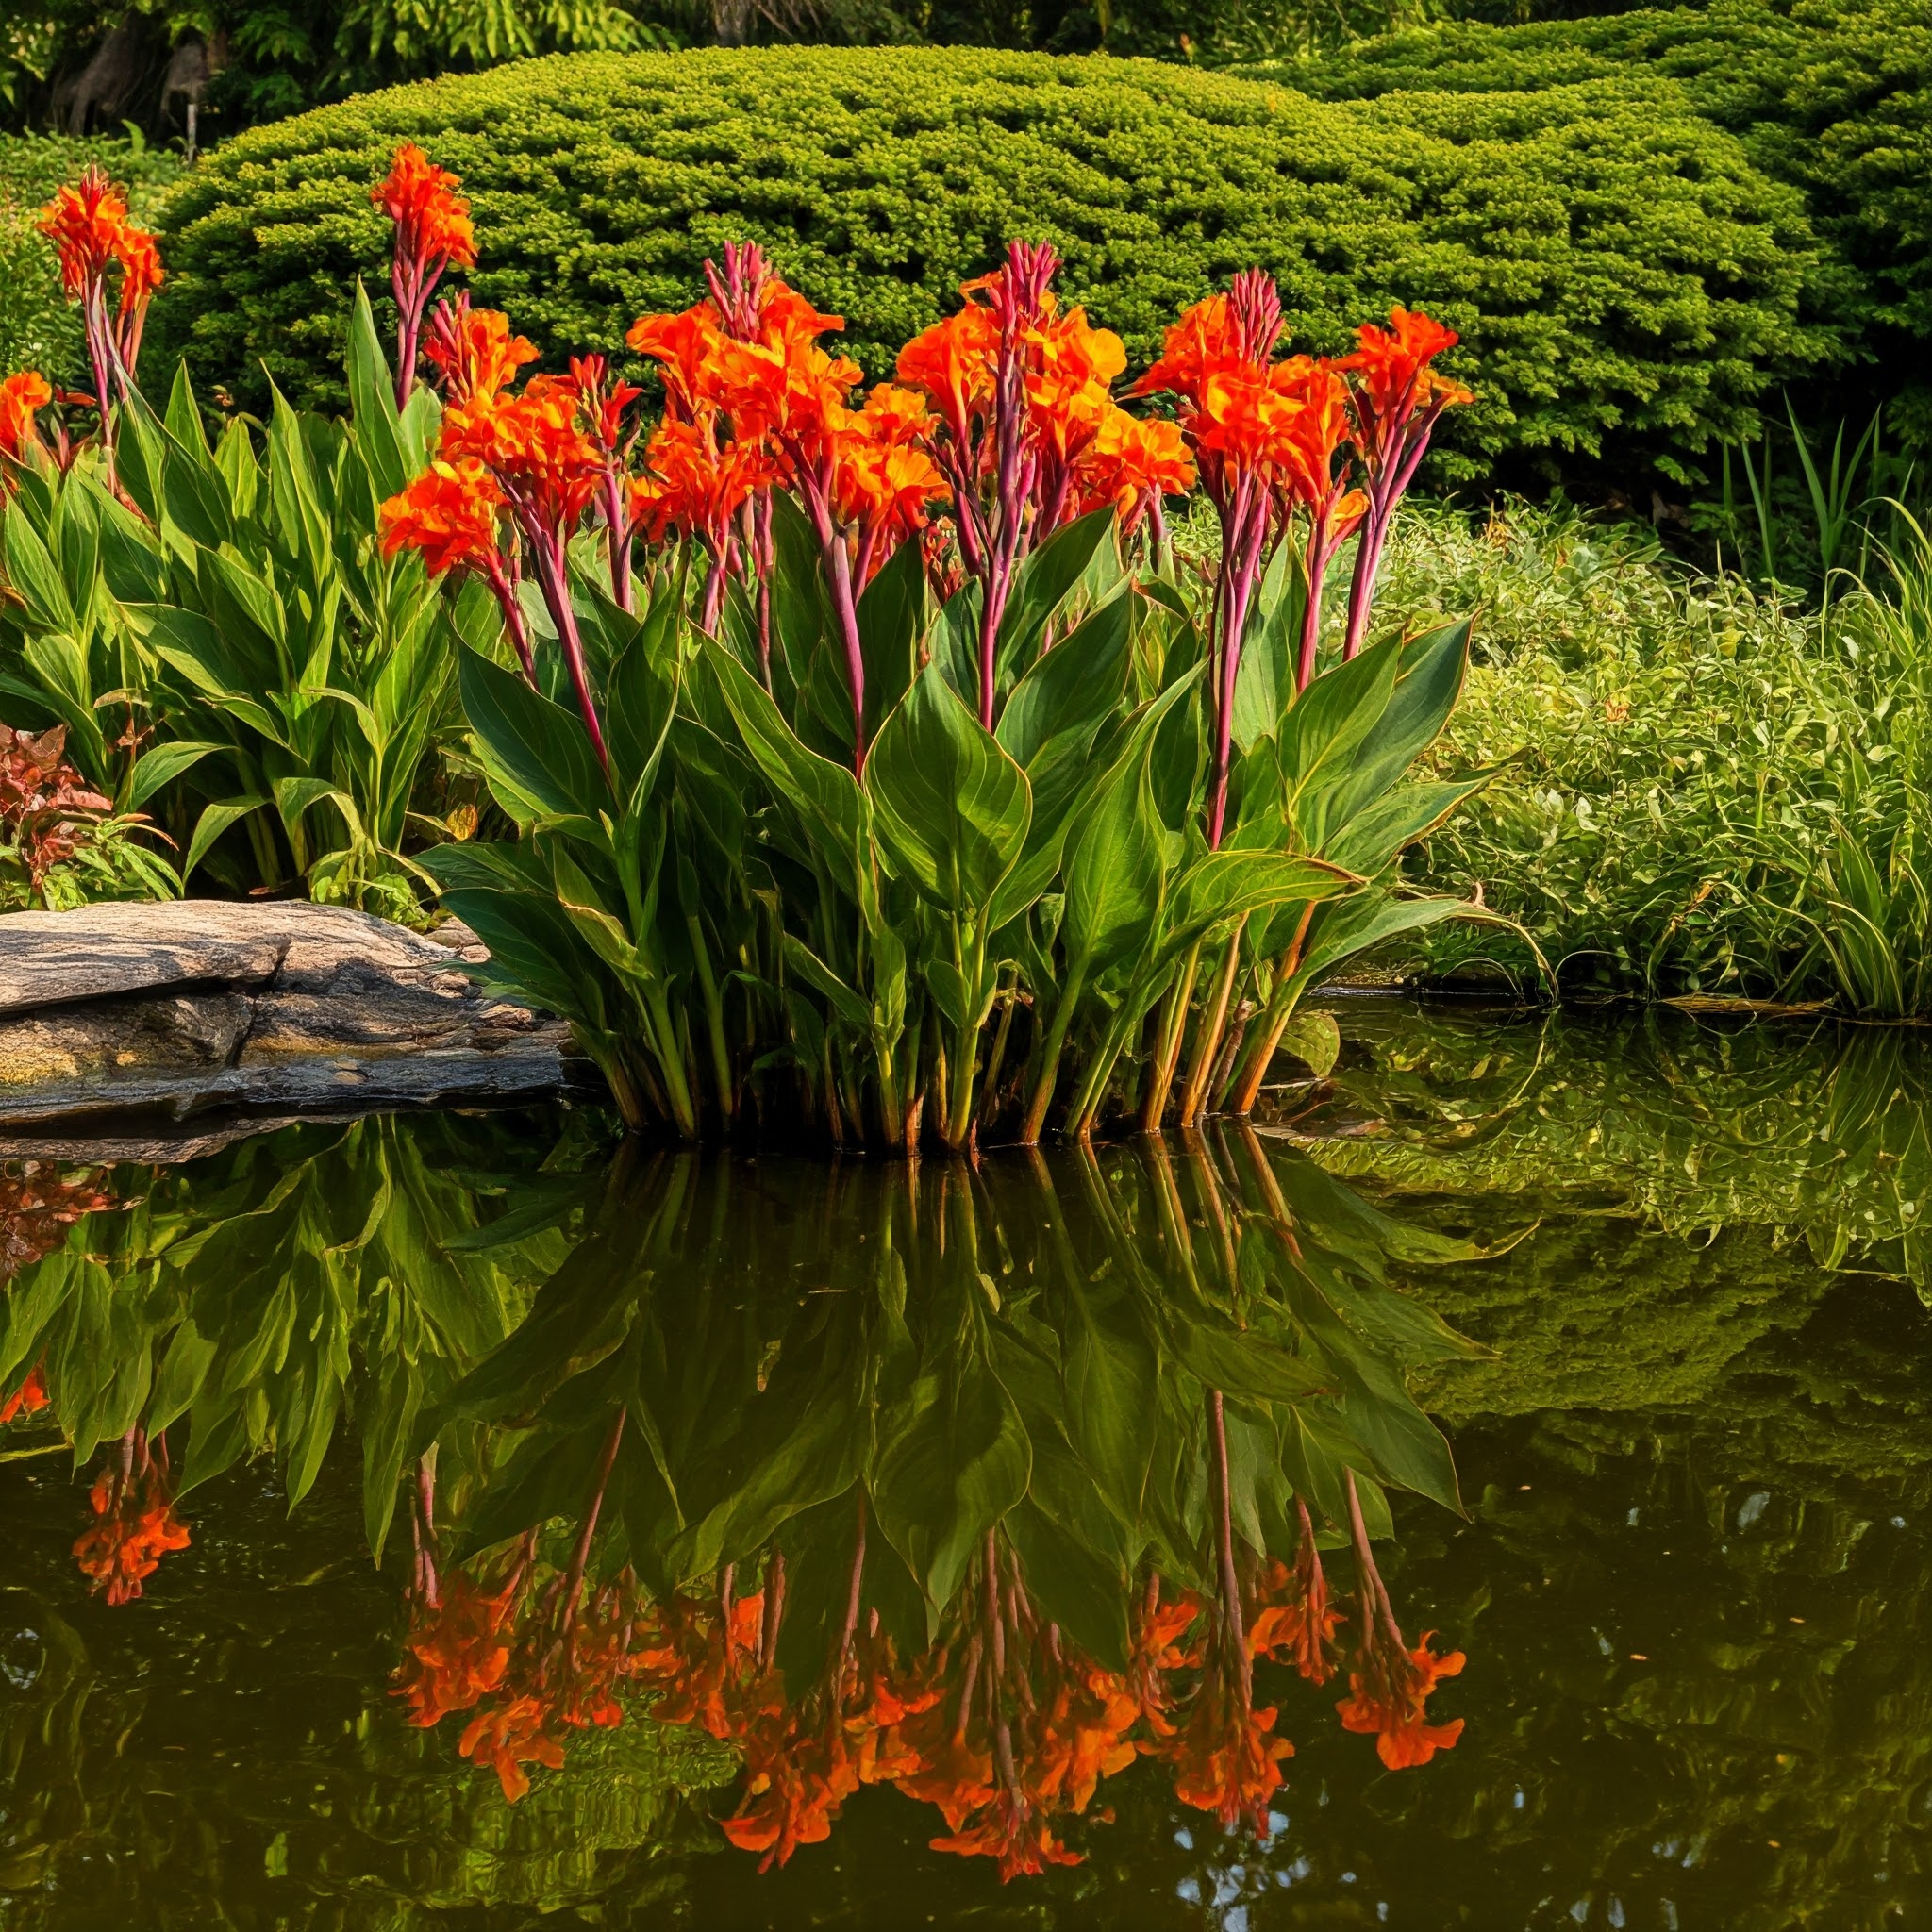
(574, 1583)
(1223, 1529)
(774, 1611)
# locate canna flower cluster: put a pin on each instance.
(1003, 1725)
(433, 233)
(23, 395)
(1000, 427)
(99, 245)
(1030, 436)
(1277, 442)
(135, 1525)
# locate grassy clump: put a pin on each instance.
(1711, 791)
(1624, 278)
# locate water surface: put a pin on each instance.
(1653, 1279)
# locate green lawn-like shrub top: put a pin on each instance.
(1833, 97)
(1624, 279)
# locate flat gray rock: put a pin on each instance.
(164, 1012)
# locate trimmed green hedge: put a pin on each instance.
(1833, 97)
(1626, 280)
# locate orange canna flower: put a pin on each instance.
(1388, 1691)
(1132, 462)
(535, 444)
(458, 1652)
(1204, 342)
(691, 488)
(474, 351)
(134, 1527)
(1394, 365)
(953, 362)
(21, 395)
(92, 231)
(28, 1399)
(450, 514)
(506, 1737)
(432, 220)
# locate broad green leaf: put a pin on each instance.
(952, 1459)
(214, 821)
(952, 808)
(161, 764)
(541, 749)
(1078, 683)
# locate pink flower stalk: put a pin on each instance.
(1396, 397)
(432, 234)
(604, 405)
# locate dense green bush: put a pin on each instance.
(1713, 793)
(1623, 276)
(1833, 97)
(38, 327)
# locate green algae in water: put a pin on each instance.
(1691, 1450)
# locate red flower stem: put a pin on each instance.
(774, 1612)
(761, 562)
(1318, 553)
(1223, 1530)
(851, 1629)
(573, 1583)
(617, 530)
(1377, 1606)
(506, 595)
(553, 573)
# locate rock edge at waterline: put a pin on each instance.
(116, 1018)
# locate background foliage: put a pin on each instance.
(1624, 277)
(1714, 791)
(1831, 96)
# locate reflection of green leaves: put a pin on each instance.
(952, 1459)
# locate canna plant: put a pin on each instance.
(905, 786)
(876, 765)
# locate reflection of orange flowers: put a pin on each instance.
(1228, 1762)
(432, 220)
(1388, 1691)
(1022, 1840)
(456, 1651)
(135, 1525)
(506, 1737)
(21, 395)
(28, 1399)
(450, 514)
(1292, 1618)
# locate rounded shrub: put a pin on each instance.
(1833, 97)
(1624, 278)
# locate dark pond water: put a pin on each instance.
(739, 1509)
